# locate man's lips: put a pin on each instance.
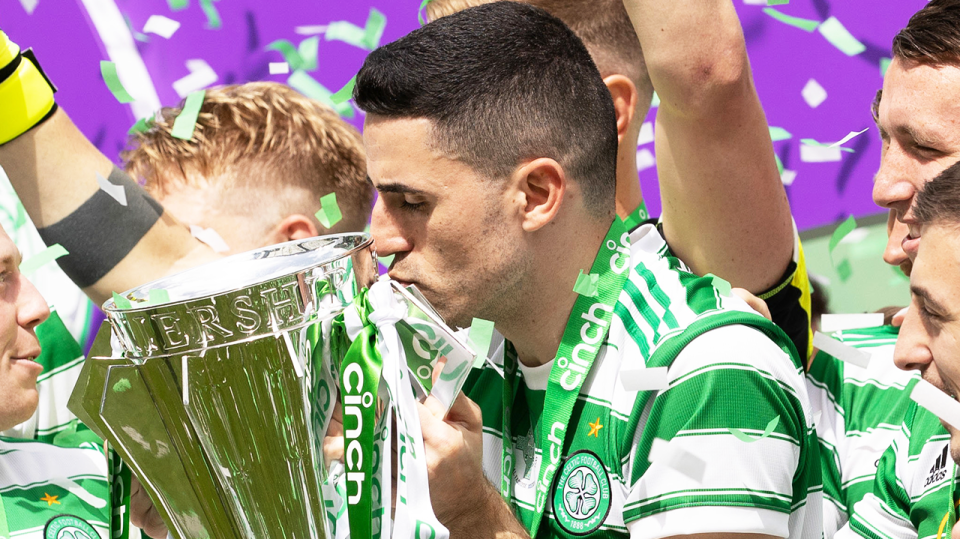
(911, 243)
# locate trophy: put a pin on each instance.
(222, 390)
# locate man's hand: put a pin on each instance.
(754, 302)
(333, 440)
(463, 499)
(143, 514)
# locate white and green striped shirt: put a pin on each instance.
(728, 368)
(861, 410)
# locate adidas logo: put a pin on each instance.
(939, 469)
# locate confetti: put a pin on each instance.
(777, 2)
(122, 385)
(936, 401)
(161, 26)
(646, 379)
(844, 270)
(210, 237)
(116, 192)
(744, 437)
(803, 24)
(847, 138)
(676, 458)
(310, 29)
(329, 212)
(308, 53)
(813, 143)
(213, 16)
(308, 86)
(142, 125)
(177, 5)
(645, 159)
(279, 68)
(158, 296)
(420, 12)
(29, 5)
(186, 121)
(586, 284)
(787, 177)
(109, 72)
(121, 302)
(884, 66)
(839, 37)
(201, 75)
(478, 339)
(813, 93)
(819, 154)
(367, 37)
(779, 163)
(42, 258)
(720, 284)
(646, 134)
(289, 52)
(839, 322)
(841, 351)
(778, 133)
(345, 93)
(655, 101)
(841, 232)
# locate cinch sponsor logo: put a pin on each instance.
(620, 260)
(353, 402)
(591, 334)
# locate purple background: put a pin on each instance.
(784, 58)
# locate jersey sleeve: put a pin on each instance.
(741, 454)
(884, 513)
(789, 302)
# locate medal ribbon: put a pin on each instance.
(359, 384)
(586, 329)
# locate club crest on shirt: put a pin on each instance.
(69, 527)
(581, 498)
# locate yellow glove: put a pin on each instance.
(26, 95)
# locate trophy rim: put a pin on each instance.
(110, 308)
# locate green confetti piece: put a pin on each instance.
(899, 273)
(186, 121)
(109, 72)
(367, 37)
(586, 284)
(720, 284)
(779, 164)
(386, 260)
(778, 133)
(308, 53)
(744, 437)
(142, 126)
(329, 213)
(420, 12)
(158, 296)
(844, 270)
(655, 100)
(121, 302)
(290, 53)
(308, 86)
(812, 142)
(478, 339)
(803, 24)
(884, 66)
(177, 5)
(345, 93)
(841, 232)
(777, 2)
(42, 258)
(122, 385)
(213, 16)
(839, 37)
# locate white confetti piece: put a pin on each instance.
(210, 237)
(841, 351)
(645, 159)
(160, 25)
(676, 458)
(279, 68)
(813, 93)
(755, 2)
(186, 380)
(201, 75)
(646, 134)
(838, 322)
(78, 491)
(117, 192)
(819, 154)
(652, 379)
(788, 176)
(311, 30)
(927, 395)
(847, 138)
(655, 101)
(29, 5)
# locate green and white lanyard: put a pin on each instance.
(586, 330)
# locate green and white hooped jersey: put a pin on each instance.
(861, 411)
(913, 492)
(47, 491)
(728, 368)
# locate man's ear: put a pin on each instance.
(294, 227)
(542, 184)
(625, 95)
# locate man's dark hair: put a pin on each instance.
(503, 83)
(939, 200)
(932, 36)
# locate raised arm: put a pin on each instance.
(54, 168)
(724, 207)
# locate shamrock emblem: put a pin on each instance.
(581, 493)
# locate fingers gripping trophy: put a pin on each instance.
(221, 381)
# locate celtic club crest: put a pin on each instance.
(69, 527)
(581, 498)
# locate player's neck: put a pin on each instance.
(629, 195)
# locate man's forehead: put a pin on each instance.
(920, 100)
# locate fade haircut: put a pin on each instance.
(602, 25)
(262, 136)
(932, 36)
(939, 200)
(502, 83)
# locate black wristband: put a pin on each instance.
(101, 232)
(10, 68)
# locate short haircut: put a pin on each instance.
(602, 25)
(502, 83)
(264, 136)
(932, 36)
(939, 200)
